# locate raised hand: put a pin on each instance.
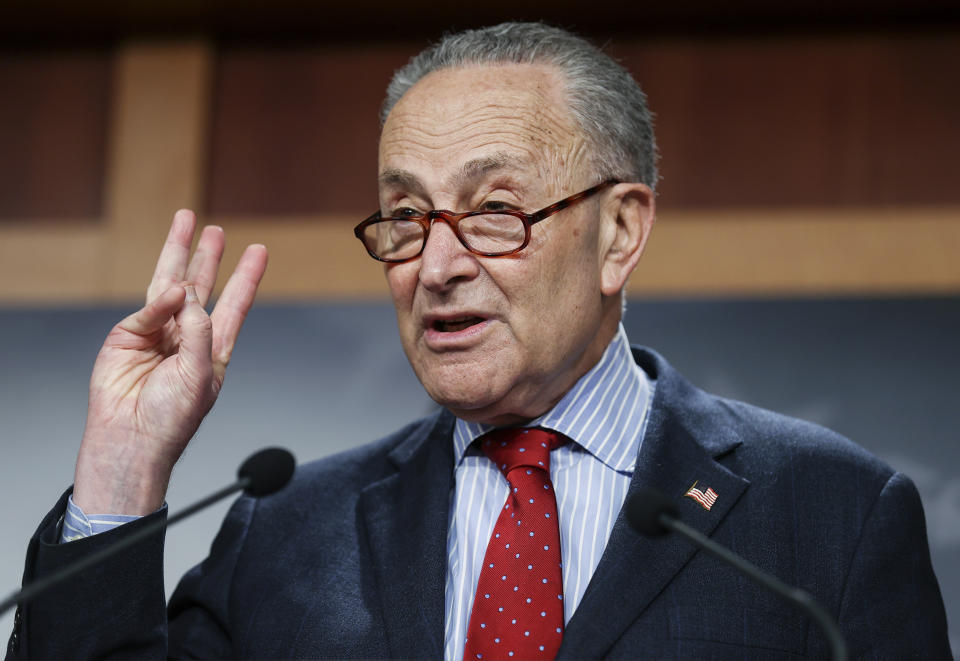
(159, 372)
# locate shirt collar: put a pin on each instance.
(604, 412)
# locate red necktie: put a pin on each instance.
(518, 609)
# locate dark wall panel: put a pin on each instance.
(53, 133)
(295, 131)
(800, 122)
(750, 121)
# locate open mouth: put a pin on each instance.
(454, 325)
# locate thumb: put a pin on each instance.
(196, 339)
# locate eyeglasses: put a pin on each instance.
(485, 233)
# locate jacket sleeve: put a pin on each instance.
(115, 609)
(891, 606)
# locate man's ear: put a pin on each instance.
(626, 222)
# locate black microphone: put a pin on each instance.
(652, 514)
(263, 473)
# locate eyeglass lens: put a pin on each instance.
(488, 233)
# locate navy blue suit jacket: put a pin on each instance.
(349, 561)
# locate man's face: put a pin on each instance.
(496, 340)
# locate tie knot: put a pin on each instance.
(513, 447)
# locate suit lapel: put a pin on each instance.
(406, 516)
(634, 570)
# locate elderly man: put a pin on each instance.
(492, 529)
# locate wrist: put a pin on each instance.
(119, 483)
(125, 496)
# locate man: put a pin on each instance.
(509, 312)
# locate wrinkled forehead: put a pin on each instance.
(454, 119)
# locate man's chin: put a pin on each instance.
(473, 386)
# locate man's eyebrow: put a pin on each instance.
(469, 173)
(478, 168)
(397, 178)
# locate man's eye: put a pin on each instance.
(404, 212)
(496, 205)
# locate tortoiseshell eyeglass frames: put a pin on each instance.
(485, 233)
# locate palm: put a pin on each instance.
(160, 369)
(138, 381)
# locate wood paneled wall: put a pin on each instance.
(800, 165)
(54, 116)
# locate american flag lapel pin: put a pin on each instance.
(705, 498)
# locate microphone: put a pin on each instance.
(263, 473)
(652, 514)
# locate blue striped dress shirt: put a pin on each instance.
(77, 525)
(605, 415)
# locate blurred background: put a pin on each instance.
(806, 256)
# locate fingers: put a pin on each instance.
(172, 263)
(237, 298)
(172, 266)
(151, 318)
(195, 340)
(166, 295)
(202, 271)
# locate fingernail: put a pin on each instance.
(191, 294)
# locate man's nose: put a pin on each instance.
(445, 260)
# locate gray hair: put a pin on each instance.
(605, 101)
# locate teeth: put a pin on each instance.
(454, 325)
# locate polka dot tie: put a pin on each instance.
(518, 609)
